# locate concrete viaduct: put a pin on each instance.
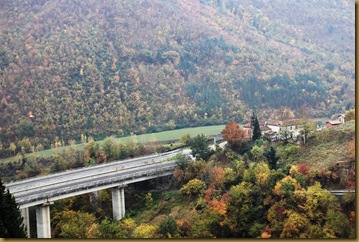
(42, 191)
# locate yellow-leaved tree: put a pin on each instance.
(145, 231)
(193, 187)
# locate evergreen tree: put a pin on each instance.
(256, 129)
(272, 158)
(11, 225)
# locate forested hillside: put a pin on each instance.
(275, 190)
(114, 67)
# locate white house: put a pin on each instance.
(275, 130)
(340, 120)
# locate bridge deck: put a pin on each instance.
(35, 191)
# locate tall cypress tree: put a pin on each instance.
(11, 225)
(272, 158)
(256, 129)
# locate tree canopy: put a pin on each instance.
(11, 221)
(102, 68)
(199, 147)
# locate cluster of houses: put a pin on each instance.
(291, 128)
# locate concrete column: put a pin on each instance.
(26, 220)
(123, 201)
(43, 221)
(118, 202)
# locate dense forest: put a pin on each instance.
(111, 67)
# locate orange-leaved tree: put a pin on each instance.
(217, 176)
(233, 134)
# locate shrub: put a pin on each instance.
(193, 187)
(168, 228)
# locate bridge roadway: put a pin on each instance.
(342, 192)
(38, 190)
(43, 190)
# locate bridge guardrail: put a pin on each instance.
(103, 182)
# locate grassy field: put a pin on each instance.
(328, 147)
(143, 138)
(175, 134)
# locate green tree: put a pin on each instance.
(168, 228)
(122, 150)
(203, 226)
(273, 177)
(240, 168)
(108, 148)
(262, 172)
(12, 148)
(109, 229)
(306, 213)
(249, 174)
(196, 169)
(256, 128)
(75, 225)
(199, 147)
(11, 222)
(149, 200)
(306, 129)
(245, 210)
(257, 153)
(181, 161)
(285, 187)
(26, 146)
(230, 176)
(185, 139)
(272, 158)
(90, 150)
(26, 128)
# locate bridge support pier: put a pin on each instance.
(118, 202)
(43, 220)
(26, 220)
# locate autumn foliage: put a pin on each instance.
(351, 148)
(266, 233)
(218, 206)
(217, 176)
(233, 134)
(178, 174)
(303, 168)
(193, 187)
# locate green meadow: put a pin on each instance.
(165, 136)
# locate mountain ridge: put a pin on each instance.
(115, 67)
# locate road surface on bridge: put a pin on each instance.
(56, 186)
(37, 190)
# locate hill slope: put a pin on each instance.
(116, 67)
